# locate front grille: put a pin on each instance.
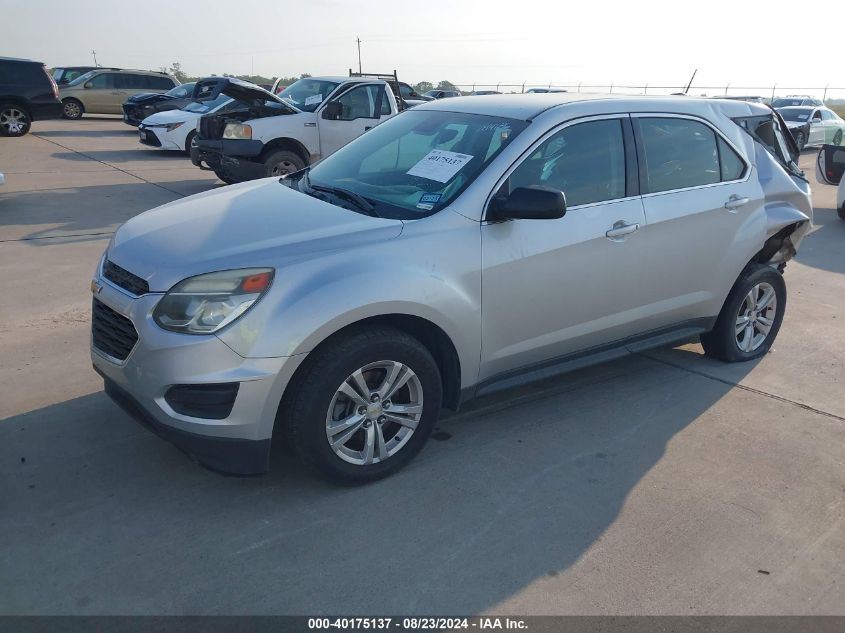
(211, 127)
(113, 333)
(126, 280)
(133, 112)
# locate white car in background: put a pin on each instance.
(2, 178)
(177, 129)
(830, 168)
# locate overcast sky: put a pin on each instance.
(599, 41)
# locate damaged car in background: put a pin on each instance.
(467, 246)
(278, 135)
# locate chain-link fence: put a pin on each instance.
(764, 92)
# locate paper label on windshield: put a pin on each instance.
(439, 165)
(313, 99)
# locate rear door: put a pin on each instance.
(360, 109)
(555, 287)
(831, 164)
(697, 195)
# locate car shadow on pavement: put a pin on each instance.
(510, 492)
(87, 133)
(84, 213)
(140, 154)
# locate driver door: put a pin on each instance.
(816, 128)
(356, 111)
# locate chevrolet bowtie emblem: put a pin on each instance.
(96, 288)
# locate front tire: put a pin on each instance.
(282, 162)
(190, 142)
(837, 139)
(14, 120)
(800, 141)
(363, 406)
(750, 318)
(72, 109)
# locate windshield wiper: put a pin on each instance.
(358, 200)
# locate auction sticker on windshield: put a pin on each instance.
(313, 99)
(439, 165)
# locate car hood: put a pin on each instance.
(212, 87)
(261, 223)
(170, 116)
(147, 96)
(796, 123)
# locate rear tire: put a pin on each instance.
(800, 141)
(837, 139)
(72, 109)
(283, 162)
(384, 438)
(14, 120)
(750, 318)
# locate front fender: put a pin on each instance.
(429, 274)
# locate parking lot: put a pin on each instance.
(665, 483)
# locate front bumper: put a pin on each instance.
(234, 158)
(238, 443)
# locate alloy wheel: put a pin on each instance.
(374, 412)
(755, 317)
(14, 121)
(837, 139)
(72, 110)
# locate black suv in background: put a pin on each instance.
(27, 94)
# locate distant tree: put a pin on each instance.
(446, 85)
(424, 86)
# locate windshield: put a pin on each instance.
(201, 107)
(83, 78)
(795, 114)
(416, 163)
(185, 90)
(308, 94)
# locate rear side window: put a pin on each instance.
(679, 153)
(732, 167)
(586, 161)
(22, 74)
(159, 83)
(126, 81)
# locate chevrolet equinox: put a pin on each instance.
(462, 247)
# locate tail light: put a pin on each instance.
(52, 83)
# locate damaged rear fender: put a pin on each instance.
(786, 226)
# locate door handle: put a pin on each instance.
(310, 125)
(620, 230)
(735, 202)
(367, 128)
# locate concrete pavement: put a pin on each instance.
(664, 483)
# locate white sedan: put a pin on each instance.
(176, 129)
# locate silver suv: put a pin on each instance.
(462, 247)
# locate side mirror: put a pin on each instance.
(333, 110)
(89, 84)
(529, 203)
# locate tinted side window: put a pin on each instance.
(679, 153)
(732, 167)
(586, 161)
(160, 83)
(358, 103)
(827, 116)
(126, 81)
(103, 81)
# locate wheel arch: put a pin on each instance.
(288, 144)
(431, 335)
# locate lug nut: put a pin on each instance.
(362, 410)
(387, 404)
(382, 419)
(367, 424)
(374, 398)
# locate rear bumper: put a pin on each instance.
(41, 111)
(227, 455)
(232, 157)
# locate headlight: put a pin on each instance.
(205, 303)
(237, 130)
(173, 126)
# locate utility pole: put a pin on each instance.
(359, 55)
(94, 53)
